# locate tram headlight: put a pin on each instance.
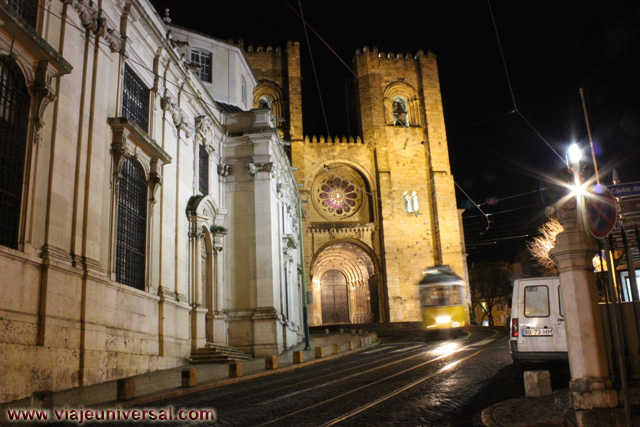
(443, 319)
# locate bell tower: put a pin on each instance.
(402, 123)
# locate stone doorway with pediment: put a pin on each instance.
(345, 286)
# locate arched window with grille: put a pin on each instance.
(131, 239)
(14, 121)
(203, 172)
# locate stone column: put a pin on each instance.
(198, 313)
(220, 318)
(590, 386)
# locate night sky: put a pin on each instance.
(551, 49)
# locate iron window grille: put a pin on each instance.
(26, 9)
(203, 170)
(131, 239)
(202, 58)
(135, 99)
(14, 121)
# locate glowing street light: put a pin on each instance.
(575, 154)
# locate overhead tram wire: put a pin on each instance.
(513, 98)
(315, 73)
(306, 24)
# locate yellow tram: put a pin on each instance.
(443, 298)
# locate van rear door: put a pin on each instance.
(538, 316)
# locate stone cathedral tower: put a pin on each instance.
(379, 206)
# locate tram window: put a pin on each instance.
(456, 295)
(536, 301)
(442, 295)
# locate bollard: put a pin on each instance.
(271, 362)
(126, 389)
(360, 332)
(298, 356)
(373, 336)
(350, 345)
(326, 331)
(235, 369)
(336, 349)
(42, 399)
(361, 342)
(353, 332)
(319, 352)
(341, 331)
(189, 377)
(537, 383)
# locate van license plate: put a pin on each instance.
(538, 332)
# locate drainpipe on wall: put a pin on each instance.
(305, 312)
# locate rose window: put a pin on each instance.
(338, 195)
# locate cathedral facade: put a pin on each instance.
(379, 206)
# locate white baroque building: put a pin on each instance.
(125, 146)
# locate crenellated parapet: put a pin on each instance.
(335, 140)
(366, 50)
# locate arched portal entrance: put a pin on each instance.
(335, 305)
(345, 286)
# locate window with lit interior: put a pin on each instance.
(203, 59)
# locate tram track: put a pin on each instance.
(381, 380)
(371, 359)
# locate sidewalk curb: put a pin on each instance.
(178, 392)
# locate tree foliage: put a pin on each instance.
(490, 283)
(540, 246)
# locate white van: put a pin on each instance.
(537, 324)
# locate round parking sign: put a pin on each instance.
(601, 211)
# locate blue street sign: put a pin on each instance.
(622, 190)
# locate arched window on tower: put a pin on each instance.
(400, 111)
(14, 120)
(131, 239)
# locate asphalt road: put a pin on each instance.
(403, 382)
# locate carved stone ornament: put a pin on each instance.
(223, 167)
(87, 12)
(91, 19)
(115, 40)
(260, 167)
(178, 115)
(204, 132)
(44, 94)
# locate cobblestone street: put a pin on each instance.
(405, 381)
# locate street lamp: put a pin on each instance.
(575, 154)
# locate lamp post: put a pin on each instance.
(590, 387)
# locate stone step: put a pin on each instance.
(213, 353)
(230, 352)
